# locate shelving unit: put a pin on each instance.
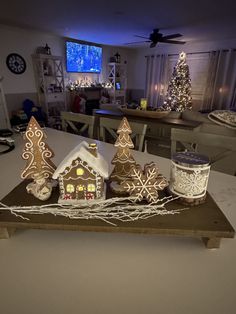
(50, 85)
(4, 117)
(117, 78)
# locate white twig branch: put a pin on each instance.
(118, 208)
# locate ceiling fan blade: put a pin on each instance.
(153, 45)
(141, 37)
(138, 42)
(172, 36)
(172, 41)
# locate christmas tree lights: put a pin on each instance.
(178, 96)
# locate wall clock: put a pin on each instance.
(15, 63)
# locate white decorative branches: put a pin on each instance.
(119, 208)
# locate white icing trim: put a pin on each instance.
(77, 178)
(98, 164)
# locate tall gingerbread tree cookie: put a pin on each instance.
(39, 166)
(145, 184)
(123, 159)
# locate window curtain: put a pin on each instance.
(233, 99)
(221, 81)
(156, 79)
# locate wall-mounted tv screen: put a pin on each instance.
(83, 58)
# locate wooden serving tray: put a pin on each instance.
(145, 113)
(205, 221)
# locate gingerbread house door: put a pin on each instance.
(80, 190)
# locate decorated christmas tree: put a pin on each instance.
(178, 96)
(123, 159)
(37, 153)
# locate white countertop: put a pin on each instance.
(74, 272)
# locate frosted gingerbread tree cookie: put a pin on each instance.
(123, 159)
(39, 166)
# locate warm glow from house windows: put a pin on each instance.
(155, 87)
(80, 188)
(91, 187)
(79, 171)
(70, 188)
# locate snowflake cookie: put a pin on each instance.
(144, 184)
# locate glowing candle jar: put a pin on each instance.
(189, 177)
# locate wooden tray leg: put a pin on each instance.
(5, 233)
(212, 243)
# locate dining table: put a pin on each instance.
(163, 121)
(62, 271)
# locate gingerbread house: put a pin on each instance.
(81, 174)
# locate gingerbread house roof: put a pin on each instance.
(81, 151)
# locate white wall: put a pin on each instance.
(25, 42)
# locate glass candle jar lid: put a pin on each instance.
(190, 159)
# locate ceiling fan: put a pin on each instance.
(156, 37)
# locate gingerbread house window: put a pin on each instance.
(70, 188)
(79, 171)
(91, 187)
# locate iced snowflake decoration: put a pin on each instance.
(144, 184)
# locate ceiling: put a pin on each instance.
(116, 23)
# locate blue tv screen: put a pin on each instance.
(83, 58)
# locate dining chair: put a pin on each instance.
(109, 126)
(194, 140)
(78, 122)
